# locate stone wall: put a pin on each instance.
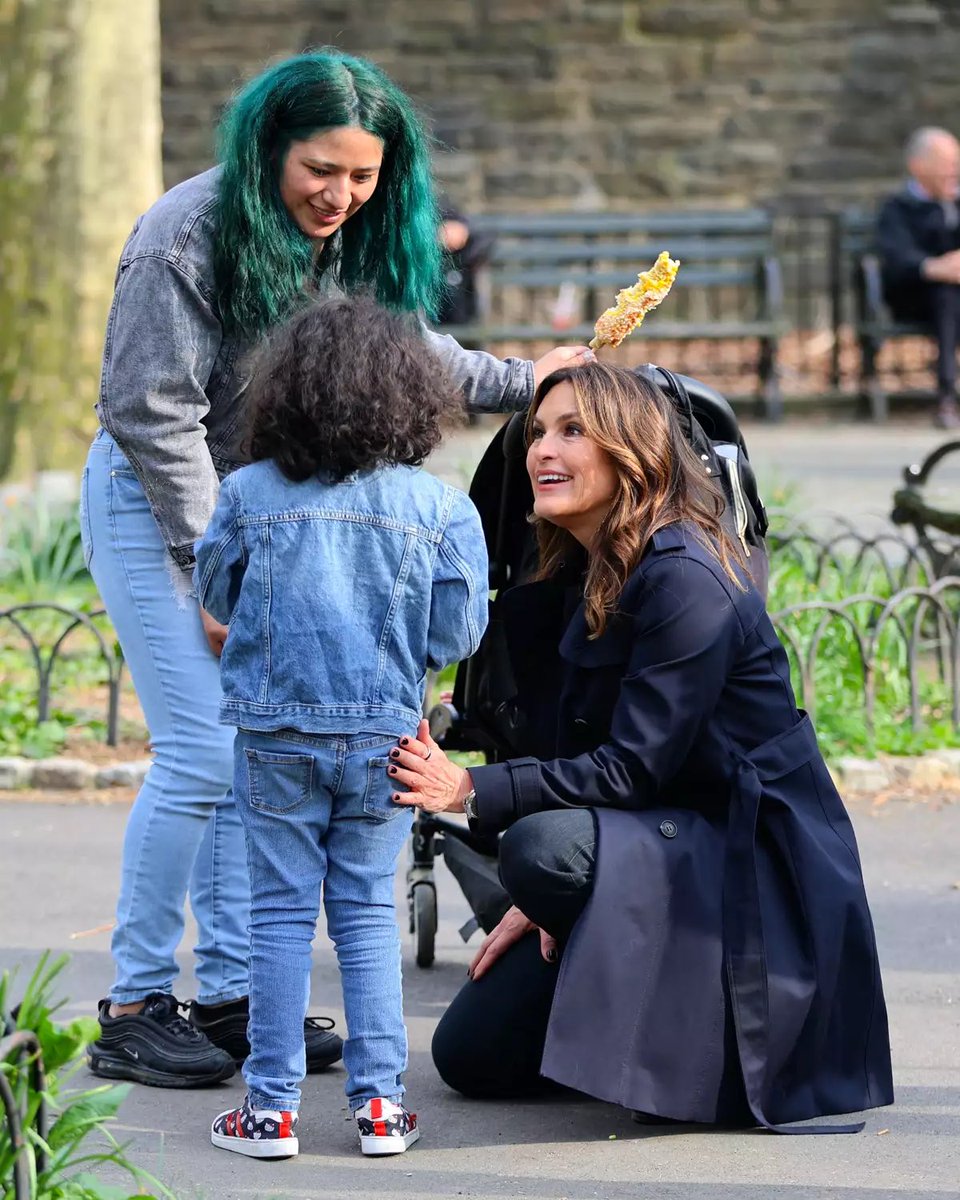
(606, 103)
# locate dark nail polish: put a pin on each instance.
(392, 770)
(404, 741)
(394, 753)
(396, 797)
(551, 956)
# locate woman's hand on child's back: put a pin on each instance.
(434, 783)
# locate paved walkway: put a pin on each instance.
(58, 870)
(59, 866)
(840, 466)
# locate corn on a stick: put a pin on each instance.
(633, 303)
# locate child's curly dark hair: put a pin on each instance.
(347, 385)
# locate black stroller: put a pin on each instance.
(481, 716)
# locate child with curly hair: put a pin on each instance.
(343, 572)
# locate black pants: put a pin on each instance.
(937, 305)
(489, 1042)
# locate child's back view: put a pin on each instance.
(344, 572)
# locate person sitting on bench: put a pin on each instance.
(918, 233)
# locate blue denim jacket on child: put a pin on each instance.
(339, 595)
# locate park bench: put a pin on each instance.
(728, 289)
(857, 297)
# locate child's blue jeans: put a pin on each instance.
(317, 813)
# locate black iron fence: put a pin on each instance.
(21, 1049)
(45, 650)
(898, 605)
(914, 631)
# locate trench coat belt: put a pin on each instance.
(743, 930)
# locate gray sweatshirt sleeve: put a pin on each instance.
(489, 384)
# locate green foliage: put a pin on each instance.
(20, 731)
(41, 556)
(838, 695)
(74, 1117)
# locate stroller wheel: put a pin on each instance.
(423, 905)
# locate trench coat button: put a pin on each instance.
(668, 829)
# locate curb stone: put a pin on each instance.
(935, 769)
(14, 773)
(68, 774)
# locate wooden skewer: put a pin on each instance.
(90, 932)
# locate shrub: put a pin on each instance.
(41, 555)
(75, 1117)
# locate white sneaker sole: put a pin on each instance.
(258, 1148)
(393, 1143)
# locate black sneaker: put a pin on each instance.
(226, 1026)
(157, 1047)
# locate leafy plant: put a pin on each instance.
(41, 554)
(21, 733)
(76, 1116)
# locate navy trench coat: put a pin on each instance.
(725, 969)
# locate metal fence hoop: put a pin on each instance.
(17, 1046)
(44, 665)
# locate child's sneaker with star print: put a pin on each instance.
(385, 1127)
(256, 1132)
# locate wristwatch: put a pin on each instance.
(470, 805)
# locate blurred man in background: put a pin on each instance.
(919, 242)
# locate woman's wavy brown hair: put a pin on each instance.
(660, 481)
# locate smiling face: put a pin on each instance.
(326, 178)
(574, 481)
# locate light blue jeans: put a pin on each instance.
(317, 813)
(183, 831)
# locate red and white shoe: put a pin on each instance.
(385, 1127)
(256, 1132)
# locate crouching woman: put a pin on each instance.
(690, 935)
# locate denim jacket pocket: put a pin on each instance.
(376, 798)
(278, 783)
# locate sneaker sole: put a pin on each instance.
(109, 1067)
(252, 1148)
(240, 1053)
(395, 1143)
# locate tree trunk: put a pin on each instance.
(79, 158)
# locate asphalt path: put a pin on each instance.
(59, 866)
(814, 465)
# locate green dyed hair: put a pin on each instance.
(389, 247)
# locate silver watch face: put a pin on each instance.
(470, 805)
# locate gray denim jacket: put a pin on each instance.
(171, 390)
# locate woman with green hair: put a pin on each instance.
(323, 184)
